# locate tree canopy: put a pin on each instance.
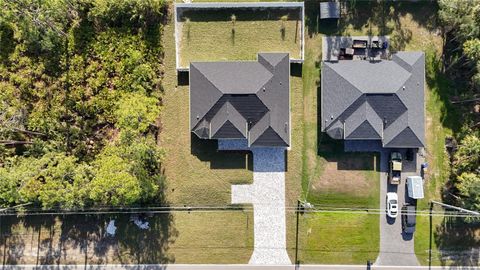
(80, 95)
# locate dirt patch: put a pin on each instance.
(346, 175)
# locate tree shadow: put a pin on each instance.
(458, 242)
(439, 84)
(207, 151)
(7, 43)
(82, 239)
(383, 15)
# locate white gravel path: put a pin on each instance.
(267, 194)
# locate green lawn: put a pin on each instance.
(334, 238)
(198, 175)
(453, 240)
(209, 35)
(332, 178)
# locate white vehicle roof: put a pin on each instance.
(415, 187)
(392, 196)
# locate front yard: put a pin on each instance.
(317, 168)
(209, 35)
(198, 175)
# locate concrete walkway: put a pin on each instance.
(267, 194)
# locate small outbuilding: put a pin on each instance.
(329, 10)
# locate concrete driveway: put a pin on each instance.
(396, 248)
(267, 194)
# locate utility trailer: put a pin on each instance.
(415, 187)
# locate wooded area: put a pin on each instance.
(81, 92)
(461, 26)
(80, 95)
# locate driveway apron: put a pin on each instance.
(267, 194)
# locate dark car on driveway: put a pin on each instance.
(408, 218)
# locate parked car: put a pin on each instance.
(395, 173)
(392, 204)
(415, 187)
(408, 218)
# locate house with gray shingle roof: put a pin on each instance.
(247, 100)
(381, 100)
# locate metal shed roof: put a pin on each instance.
(329, 10)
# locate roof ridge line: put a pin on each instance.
(216, 88)
(398, 134)
(223, 124)
(361, 94)
(406, 61)
(345, 79)
(368, 122)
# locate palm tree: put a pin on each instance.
(283, 19)
(188, 25)
(233, 18)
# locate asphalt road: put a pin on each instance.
(228, 266)
(396, 248)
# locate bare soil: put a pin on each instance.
(346, 175)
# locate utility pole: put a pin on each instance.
(430, 244)
(296, 235)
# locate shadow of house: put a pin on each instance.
(296, 69)
(207, 151)
(182, 78)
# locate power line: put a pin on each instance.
(217, 209)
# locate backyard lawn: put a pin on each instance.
(198, 175)
(317, 169)
(210, 35)
(411, 27)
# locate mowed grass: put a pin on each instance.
(453, 242)
(180, 237)
(333, 237)
(198, 175)
(212, 237)
(209, 35)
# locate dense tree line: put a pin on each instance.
(461, 22)
(80, 93)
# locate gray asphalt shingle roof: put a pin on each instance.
(242, 100)
(365, 100)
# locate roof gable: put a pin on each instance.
(364, 131)
(254, 99)
(400, 105)
(228, 131)
(372, 77)
(269, 138)
(235, 77)
(405, 139)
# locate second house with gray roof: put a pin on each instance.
(246, 100)
(375, 100)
